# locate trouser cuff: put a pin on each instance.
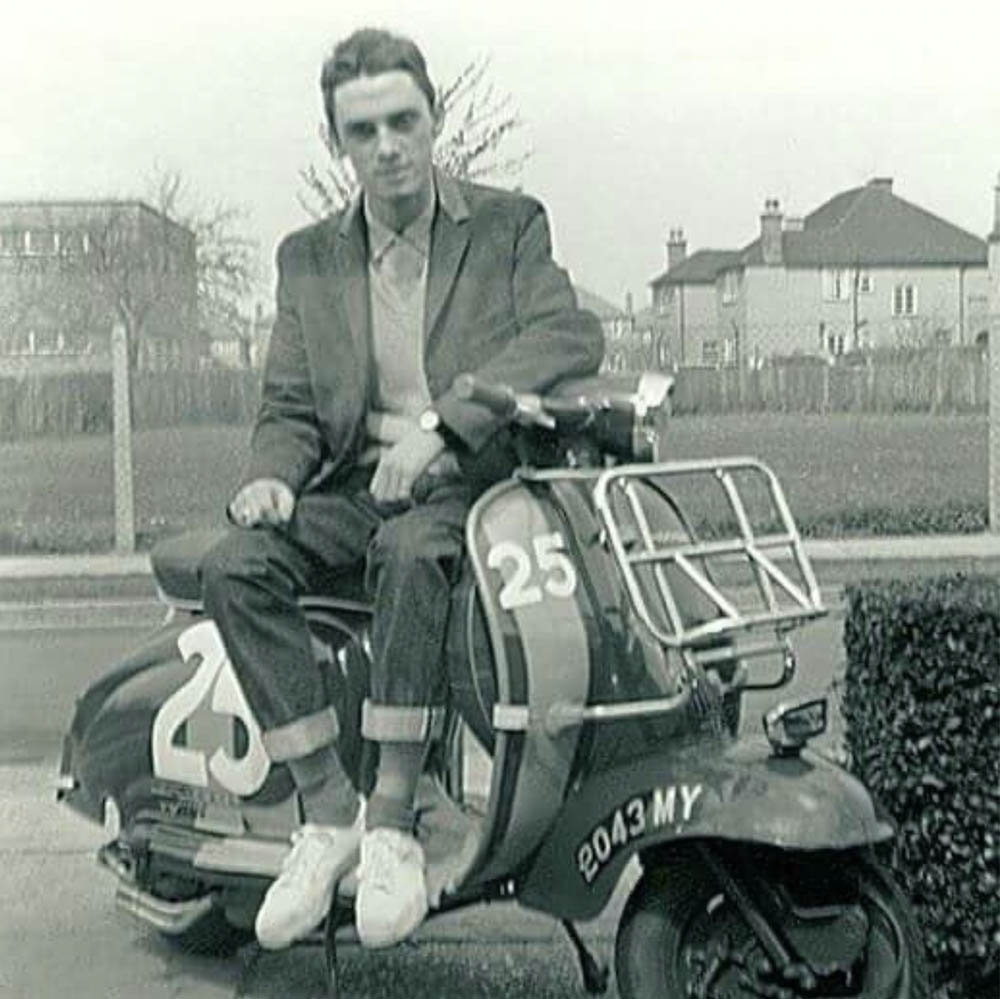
(301, 737)
(401, 722)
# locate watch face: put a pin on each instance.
(429, 420)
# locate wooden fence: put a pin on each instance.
(945, 381)
(81, 402)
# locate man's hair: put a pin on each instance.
(369, 51)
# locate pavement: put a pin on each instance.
(931, 548)
(61, 935)
(98, 589)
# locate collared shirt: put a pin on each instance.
(397, 281)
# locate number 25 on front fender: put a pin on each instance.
(213, 688)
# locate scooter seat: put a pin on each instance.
(176, 564)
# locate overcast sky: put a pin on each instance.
(640, 117)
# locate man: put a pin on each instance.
(363, 453)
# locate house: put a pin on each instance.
(867, 269)
(616, 323)
(69, 270)
(685, 300)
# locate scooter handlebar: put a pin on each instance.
(502, 399)
(526, 408)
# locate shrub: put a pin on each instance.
(922, 709)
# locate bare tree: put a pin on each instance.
(477, 123)
(227, 260)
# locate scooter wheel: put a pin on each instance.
(679, 935)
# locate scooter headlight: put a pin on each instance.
(790, 725)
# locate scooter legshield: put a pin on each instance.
(737, 792)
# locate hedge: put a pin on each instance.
(922, 711)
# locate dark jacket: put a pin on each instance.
(497, 306)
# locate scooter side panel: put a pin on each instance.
(108, 744)
(738, 792)
(173, 712)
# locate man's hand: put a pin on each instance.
(263, 501)
(401, 465)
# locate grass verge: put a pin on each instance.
(844, 475)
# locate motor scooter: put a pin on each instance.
(600, 644)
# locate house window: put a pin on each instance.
(710, 352)
(904, 300)
(836, 344)
(41, 243)
(11, 242)
(838, 283)
(730, 287)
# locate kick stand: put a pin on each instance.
(595, 975)
(338, 916)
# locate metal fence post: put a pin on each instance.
(122, 441)
(993, 365)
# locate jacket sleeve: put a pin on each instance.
(555, 339)
(287, 443)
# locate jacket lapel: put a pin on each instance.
(350, 280)
(449, 241)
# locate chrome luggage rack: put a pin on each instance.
(735, 579)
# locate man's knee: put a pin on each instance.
(241, 555)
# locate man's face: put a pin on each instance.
(386, 128)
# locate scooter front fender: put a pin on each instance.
(742, 792)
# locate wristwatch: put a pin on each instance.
(429, 420)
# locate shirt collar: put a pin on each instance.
(449, 198)
(417, 233)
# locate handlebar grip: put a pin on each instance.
(500, 398)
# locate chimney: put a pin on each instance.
(628, 303)
(770, 232)
(676, 248)
(881, 184)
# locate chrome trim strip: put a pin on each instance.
(312, 601)
(168, 917)
(308, 601)
(511, 717)
(566, 715)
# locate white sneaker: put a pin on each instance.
(300, 897)
(392, 891)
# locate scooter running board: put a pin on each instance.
(242, 855)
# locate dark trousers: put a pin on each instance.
(252, 580)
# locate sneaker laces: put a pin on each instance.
(383, 858)
(308, 846)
